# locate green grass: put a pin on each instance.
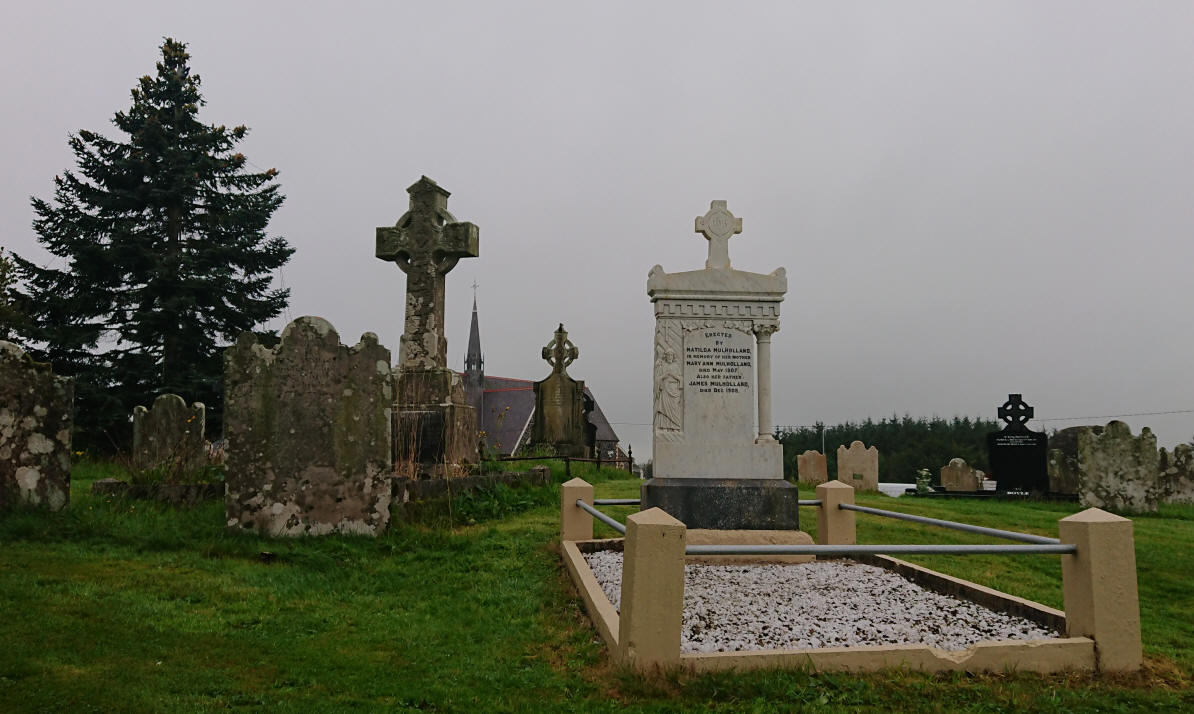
(117, 605)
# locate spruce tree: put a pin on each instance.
(161, 256)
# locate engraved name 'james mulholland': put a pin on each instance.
(718, 364)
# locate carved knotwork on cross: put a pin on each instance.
(426, 243)
(718, 226)
(1015, 412)
(560, 352)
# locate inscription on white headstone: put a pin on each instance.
(718, 383)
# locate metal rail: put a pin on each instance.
(980, 530)
(832, 550)
(616, 501)
(809, 502)
(601, 517)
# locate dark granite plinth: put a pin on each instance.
(726, 504)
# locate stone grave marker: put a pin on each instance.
(36, 421)
(561, 409)
(308, 433)
(169, 437)
(434, 425)
(1177, 474)
(715, 467)
(1118, 471)
(858, 466)
(811, 468)
(960, 476)
(1063, 458)
(1018, 456)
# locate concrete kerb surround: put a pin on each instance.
(1119, 651)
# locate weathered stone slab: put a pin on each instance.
(858, 466)
(1177, 474)
(169, 437)
(1118, 471)
(308, 431)
(36, 420)
(1063, 458)
(811, 468)
(726, 504)
(959, 476)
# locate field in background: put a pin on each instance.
(130, 606)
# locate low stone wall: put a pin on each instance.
(409, 489)
(178, 494)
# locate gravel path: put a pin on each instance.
(835, 603)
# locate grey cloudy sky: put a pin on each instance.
(970, 198)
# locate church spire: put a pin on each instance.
(474, 363)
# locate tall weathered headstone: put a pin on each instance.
(1118, 471)
(811, 468)
(957, 475)
(858, 466)
(169, 436)
(560, 404)
(308, 431)
(36, 420)
(714, 465)
(1063, 459)
(1177, 474)
(1018, 456)
(434, 425)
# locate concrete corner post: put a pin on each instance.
(834, 525)
(1099, 586)
(575, 524)
(652, 591)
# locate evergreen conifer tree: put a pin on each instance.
(162, 256)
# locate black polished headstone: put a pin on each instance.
(1018, 456)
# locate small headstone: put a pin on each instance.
(1117, 471)
(434, 424)
(959, 476)
(1063, 458)
(36, 420)
(308, 433)
(561, 407)
(1177, 474)
(1018, 456)
(858, 466)
(811, 468)
(169, 437)
(714, 465)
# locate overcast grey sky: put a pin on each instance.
(970, 198)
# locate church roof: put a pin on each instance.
(509, 405)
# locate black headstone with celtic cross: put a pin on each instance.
(561, 417)
(434, 426)
(1017, 455)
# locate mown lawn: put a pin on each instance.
(128, 606)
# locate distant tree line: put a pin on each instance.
(905, 444)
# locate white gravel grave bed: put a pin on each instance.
(827, 603)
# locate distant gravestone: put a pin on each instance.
(168, 437)
(811, 468)
(308, 433)
(1018, 456)
(434, 425)
(858, 466)
(560, 403)
(1118, 471)
(1063, 458)
(960, 476)
(36, 420)
(714, 466)
(1177, 474)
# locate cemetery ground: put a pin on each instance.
(125, 605)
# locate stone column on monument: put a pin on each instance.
(763, 332)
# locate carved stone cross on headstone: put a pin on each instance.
(426, 243)
(1015, 412)
(560, 352)
(718, 226)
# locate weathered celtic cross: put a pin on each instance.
(560, 352)
(426, 243)
(718, 225)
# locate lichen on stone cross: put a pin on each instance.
(718, 226)
(426, 243)
(560, 352)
